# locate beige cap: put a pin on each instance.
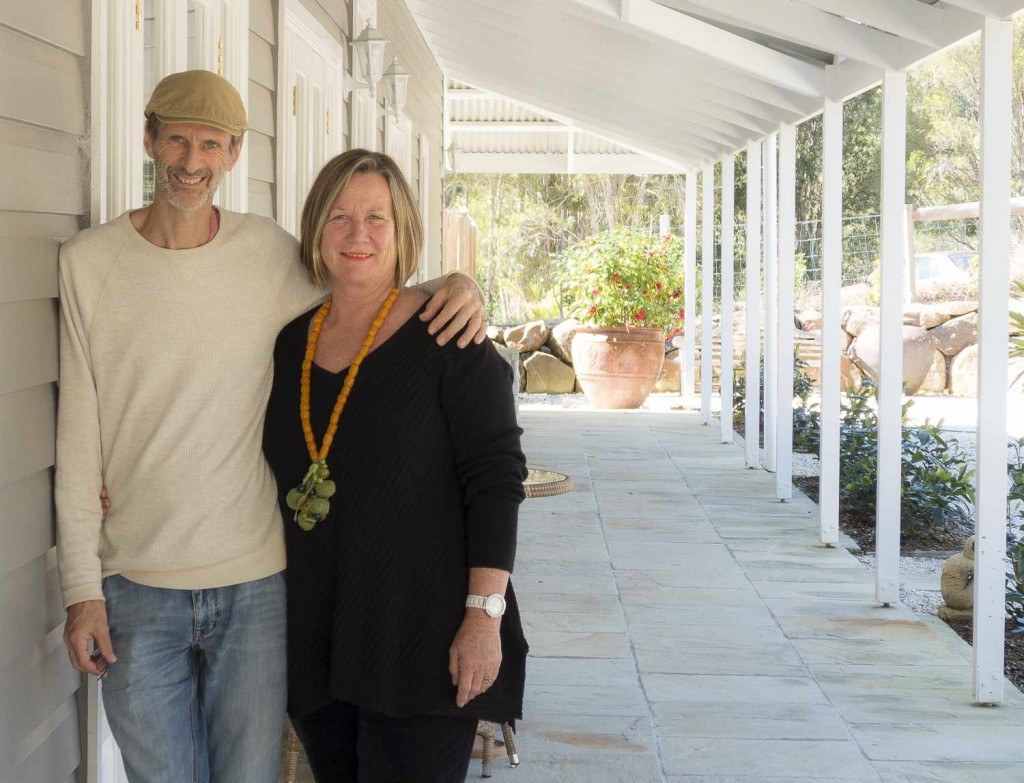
(199, 96)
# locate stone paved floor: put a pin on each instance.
(685, 626)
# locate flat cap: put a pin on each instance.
(199, 96)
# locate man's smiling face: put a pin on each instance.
(189, 160)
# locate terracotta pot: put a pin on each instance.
(617, 366)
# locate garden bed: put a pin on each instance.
(862, 531)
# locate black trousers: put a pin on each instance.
(345, 744)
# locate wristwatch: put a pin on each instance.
(493, 604)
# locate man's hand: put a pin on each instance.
(456, 306)
(87, 622)
(475, 656)
(104, 502)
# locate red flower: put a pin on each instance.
(658, 286)
(639, 314)
(650, 254)
(682, 315)
(676, 294)
(595, 291)
(593, 309)
(617, 278)
(629, 287)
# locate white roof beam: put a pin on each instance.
(676, 151)
(731, 50)
(580, 31)
(645, 101)
(799, 23)
(926, 24)
(558, 163)
(996, 9)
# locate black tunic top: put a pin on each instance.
(429, 476)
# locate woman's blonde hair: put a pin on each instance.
(331, 181)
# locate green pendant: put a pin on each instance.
(309, 499)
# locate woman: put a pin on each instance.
(400, 475)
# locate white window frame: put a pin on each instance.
(117, 84)
(294, 18)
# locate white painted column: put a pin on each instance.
(787, 259)
(890, 369)
(771, 300)
(831, 295)
(993, 337)
(752, 402)
(725, 321)
(689, 287)
(707, 299)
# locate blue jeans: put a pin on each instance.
(199, 688)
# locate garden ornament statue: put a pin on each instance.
(958, 585)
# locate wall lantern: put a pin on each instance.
(396, 87)
(368, 52)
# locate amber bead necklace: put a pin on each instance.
(310, 499)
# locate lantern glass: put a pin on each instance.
(396, 86)
(369, 55)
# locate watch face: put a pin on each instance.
(494, 605)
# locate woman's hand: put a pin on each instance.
(475, 656)
(456, 305)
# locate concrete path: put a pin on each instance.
(685, 626)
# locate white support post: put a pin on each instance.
(787, 261)
(689, 287)
(707, 300)
(752, 402)
(771, 300)
(993, 337)
(890, 365)
(831, 306)
(726, 316)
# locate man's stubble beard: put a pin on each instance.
(162, 175)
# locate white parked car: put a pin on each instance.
(944, 266)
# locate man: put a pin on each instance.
(168, 320)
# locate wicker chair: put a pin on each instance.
(485, 730)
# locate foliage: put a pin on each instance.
(623, 277)
(1015, 539)
(1017, 324)
(806, 416)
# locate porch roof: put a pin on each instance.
(675, 83)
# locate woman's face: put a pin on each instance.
(358, 241)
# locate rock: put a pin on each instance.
(956, 334)
(856, 319)
(669, 381)
(918, 353)
(912, 315)
(856, 294)
(809, 320)
(957, 585)
(511, 355)
(963, 372)
(522, 371)
(845, 338)
(934, 314)
(547, 375)
(560, 339)
(496, 334)
(527, 337)
(935, 381)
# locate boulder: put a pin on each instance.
(918, 354)
(963, 372)
(858, 318)
(935, 381)
(808, 320)
(933, 315)
(912, 315)
(547, 375)
(496, 334)
(956, 334)
(560, 339)
(855, 294)
(527, 337)
(669, 381)
(522, 371)
(845, 338)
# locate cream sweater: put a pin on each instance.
(166, 360)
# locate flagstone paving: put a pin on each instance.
(686, 627)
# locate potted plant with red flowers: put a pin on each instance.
(625, 287)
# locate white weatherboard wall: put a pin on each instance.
(44, 54)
